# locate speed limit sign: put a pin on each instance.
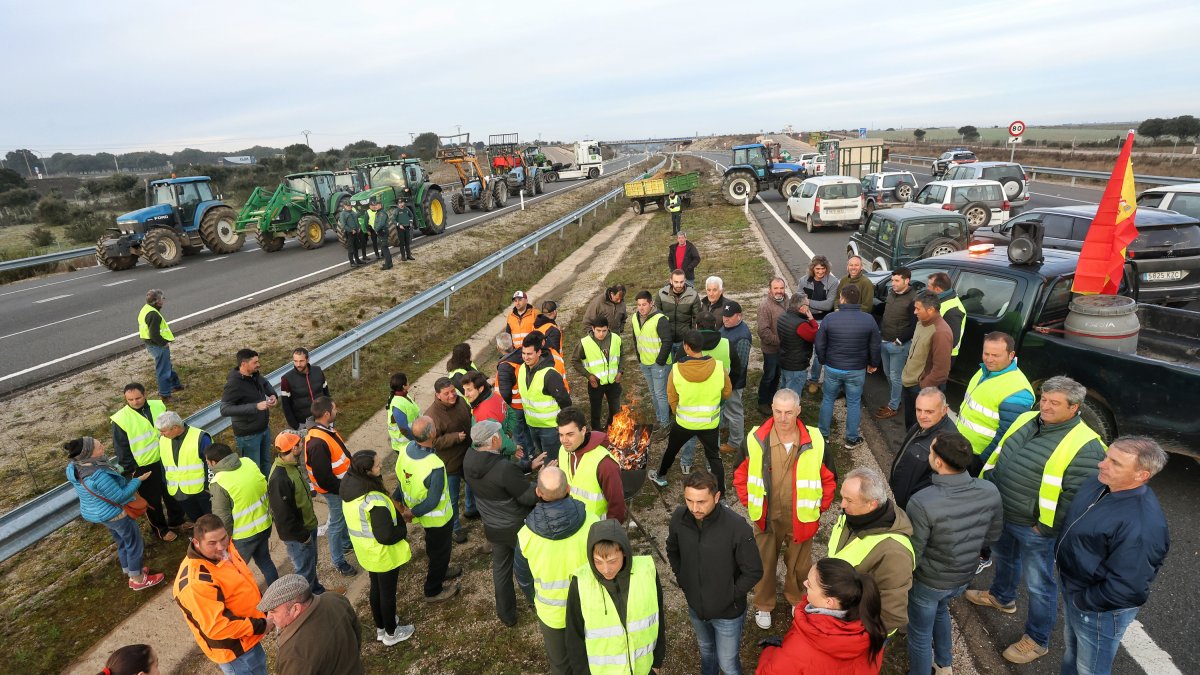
(1016, 128)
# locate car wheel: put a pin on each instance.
(1012, 188)
(941, 247)
(790, 217)
(904, 192)
(808, 224)
(978, 215)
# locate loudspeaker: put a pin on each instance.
(1025, 243)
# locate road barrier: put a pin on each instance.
(1073, 174)
(36, 519)
(61, 256)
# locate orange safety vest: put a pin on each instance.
(521, 326)
(561, 366)
(224, 628)
(516, 392)
(339, 455)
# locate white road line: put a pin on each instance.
(791, 231)
(118, 283)
(172, 269)
(52, 323)
(220, 257)
(1070, 199)
(52, 283)
(1145, 653)
(57, 297)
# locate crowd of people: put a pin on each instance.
(1012, 480)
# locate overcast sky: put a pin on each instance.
(119, 76)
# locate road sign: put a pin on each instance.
(1016, 128)
(1014, 139)
(862, 132)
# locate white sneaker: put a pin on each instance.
(763, 619)
(402, 633)
(322, 529)
(654, 478)
(379, 632)
(943, 670)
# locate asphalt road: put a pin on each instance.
(53, 325)
(1163, 645)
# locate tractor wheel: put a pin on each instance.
(219, 232)
(487, 199)
(115, 263)
(551, 176)
(593, 172)
(539, 184)
(458, 203)
(162, 248)
(269, 242)
(638, 207)
(738, 186)
(341, 235)
(433, 212)
(311, 232)
(785, 188)
(500, 194)
(530, 185)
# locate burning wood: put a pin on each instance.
(629, 441)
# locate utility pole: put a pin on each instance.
(115, 163)
(28, 169)
(306, 132)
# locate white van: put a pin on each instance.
(1184, 199)
(826, 200)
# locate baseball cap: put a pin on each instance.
(285, 589)
(287, 440)
(731, 308)
(482, 432)
(520, 294)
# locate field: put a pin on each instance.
(1000, 134)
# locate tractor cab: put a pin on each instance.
(754, 156)
(170, 202)
(349, 181)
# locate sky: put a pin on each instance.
(120, 76)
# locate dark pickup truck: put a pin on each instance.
(1154, 392)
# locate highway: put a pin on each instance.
(53, 325)
(1161, 635)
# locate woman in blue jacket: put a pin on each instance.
(102, 491)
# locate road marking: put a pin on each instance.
(53, 283)
(1070, 199)
(220, 257)
(1145, 653)
(118, 283)
(52, 323)
(172, 269)
(57, 297)
(791, 231)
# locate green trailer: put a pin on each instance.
(304, 205)
(655, 190)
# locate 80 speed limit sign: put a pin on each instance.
(1016, 128)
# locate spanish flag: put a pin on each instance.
(1102, 260)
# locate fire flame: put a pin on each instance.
(628, 441)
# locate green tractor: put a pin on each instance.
(396, 180)
(304, 206)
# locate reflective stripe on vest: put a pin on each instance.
(956, 303)
(164, 330)
(461, 371)
(247, 490)
(809, 490)
(613, 648)
(372, 555)
(699, 402)
(645, 336)
(412, 474)
(411, 413)
(141, 432)
(339, 458)
(979, 415)
(595, 362)
(186, 473)
(551, 562)
(584, 479)
(674, 204)
(560, 366)
(521, 326)
(541, 410)
(1052, 474)
(721, 353)
(857, 549)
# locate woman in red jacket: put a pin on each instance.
(839, 630)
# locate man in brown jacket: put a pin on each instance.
(855, 277)
(769, 311)
(610, 303)
(928, 363)
(317, 634)
(452, 423)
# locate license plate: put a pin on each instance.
(1163, 276)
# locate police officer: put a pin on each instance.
(378, 221)
(348, 221)
(406, 220)
(675, 207)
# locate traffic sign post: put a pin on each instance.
(1015, 130)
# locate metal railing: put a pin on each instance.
(36, 519)
(1073, 174)
(61, 256)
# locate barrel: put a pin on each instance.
(1105, 321)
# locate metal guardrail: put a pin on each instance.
(61, 256)
(36, 519)
(1067, 173)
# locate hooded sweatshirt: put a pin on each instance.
(222, 503)
(695, 369)
(818, 644)
(618, 591)
(607, 472)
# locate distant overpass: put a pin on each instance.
(652, 141)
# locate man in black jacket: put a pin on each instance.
(504, 497)
(708, 545)
(247, 400)
(896, 333)
(299, 386)
(910, 469)
(683, 255)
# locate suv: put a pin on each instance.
(887, 189)
(951, 158)
(895, 237)
(981, 201)
(1182, 198)
(826, 200)
(1010, 175)
(1165, 255)
(811, 162)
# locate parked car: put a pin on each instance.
(1010, 175)
(1166, 253)
(1182, 198)
(951, 158)
(826, 200)
(981, 201)
(896, 237)
(887, 189)
(813, 163)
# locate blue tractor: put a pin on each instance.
(514, 167)
(182, 215)
(753, 169)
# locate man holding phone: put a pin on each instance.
(247, 400)
(896, 332)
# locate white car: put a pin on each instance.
(983, 202)
(826, 200)
(1182, 198)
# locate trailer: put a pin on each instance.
(655, 190)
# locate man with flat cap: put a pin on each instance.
(318, 634)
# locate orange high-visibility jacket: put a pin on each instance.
(219, 602)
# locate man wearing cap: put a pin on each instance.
(318, 634)
(520, 319)
(424, 490)
(377, 219)
(292, 508)
(598, 358)
(405, 221)
(733, 413)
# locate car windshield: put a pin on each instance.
(842, 191)
(958, 156)
(304, 184)
(1152, 200)
(163, 194)
(918, 235)
(892, 181)
(931, 194)
(392, 175)
(999, 173)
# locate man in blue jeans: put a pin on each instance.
(848, 346)
(157, 335)
(951, 519)
(896, 331)
(247, 400)
(652, 338)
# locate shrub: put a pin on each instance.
(18, 197)
(54, 211)
(88, 227)
(40, 236)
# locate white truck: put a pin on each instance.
(588, 164)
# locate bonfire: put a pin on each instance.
(629, 441)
